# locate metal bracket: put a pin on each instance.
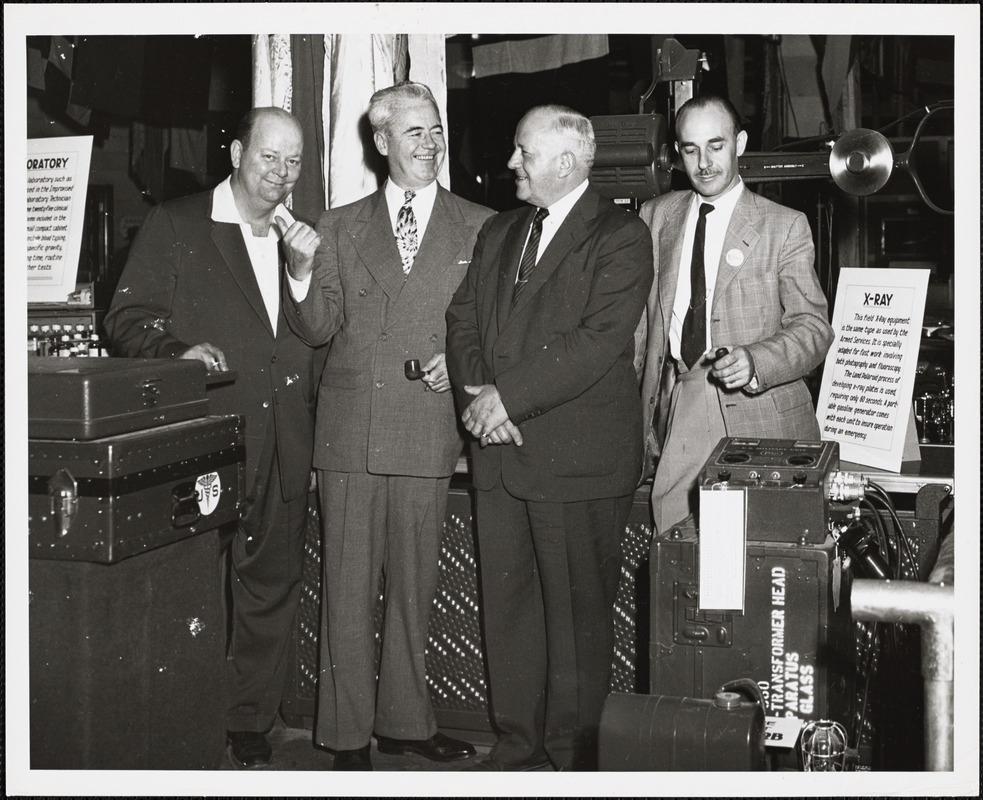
(63, 493)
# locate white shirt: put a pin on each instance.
(558, 212)
(716, 230)
(422, 206)
(264, 251)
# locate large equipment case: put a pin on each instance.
(127, 622)
(90, 398)
(108, 499)
(795, 638)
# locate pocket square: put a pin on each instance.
(465, 262)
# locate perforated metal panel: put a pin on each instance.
(455, 658)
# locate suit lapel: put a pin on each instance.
(508, 265)
(739, 241)
(227, 238)
(376, 246)
(573, 229)
(447, 232)
(671, 243)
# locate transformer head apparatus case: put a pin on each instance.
(112, 498)
(795, 638)
(90, 398)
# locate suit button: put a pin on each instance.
(384, 337)
(433, 337)
(266, 404)
(273, 360)
(379, 384)
(362, 292)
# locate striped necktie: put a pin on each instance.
(529, 254)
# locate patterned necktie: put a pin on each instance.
(693, 340)
(406, 234)
(530, 253)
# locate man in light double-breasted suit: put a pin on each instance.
(758, 297)
(385, 446)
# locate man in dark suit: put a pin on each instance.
(386, 446)
(540, 350)
(759, 299)
(202, 281)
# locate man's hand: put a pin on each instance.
(213, 358)
(735, 369)
(506, 433)
(486, 412)
(436, 378)
(300, 242)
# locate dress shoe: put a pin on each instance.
(437, 748)
(352, 760)
(248, 749)
(492, 764)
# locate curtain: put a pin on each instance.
(338, 139)
(538, 54)
(355, 66)
(272, 78)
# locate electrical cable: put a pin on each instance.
(787, 92)
(880, 531)
(867, 675)
(920, 110)
(883, 496)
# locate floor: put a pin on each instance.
(294, 751)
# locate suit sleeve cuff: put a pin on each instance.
(299, 288)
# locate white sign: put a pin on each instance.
(865, 400)
(57, 179)
(722, 549)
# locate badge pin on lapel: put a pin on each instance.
(735, 257)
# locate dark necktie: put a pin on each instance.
(693, 340)
(406, 233)
(529, 254)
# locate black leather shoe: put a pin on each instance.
(248, 749)
(353, 760)
(437, 748)
(492, 764)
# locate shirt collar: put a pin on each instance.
(396, 195)
(224, 207)
(723, 206)
(560, 209)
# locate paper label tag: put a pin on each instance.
(782, 731)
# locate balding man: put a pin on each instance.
(540, 352)
(203, 281)
(735, 274)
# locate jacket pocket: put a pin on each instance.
(791, 398)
